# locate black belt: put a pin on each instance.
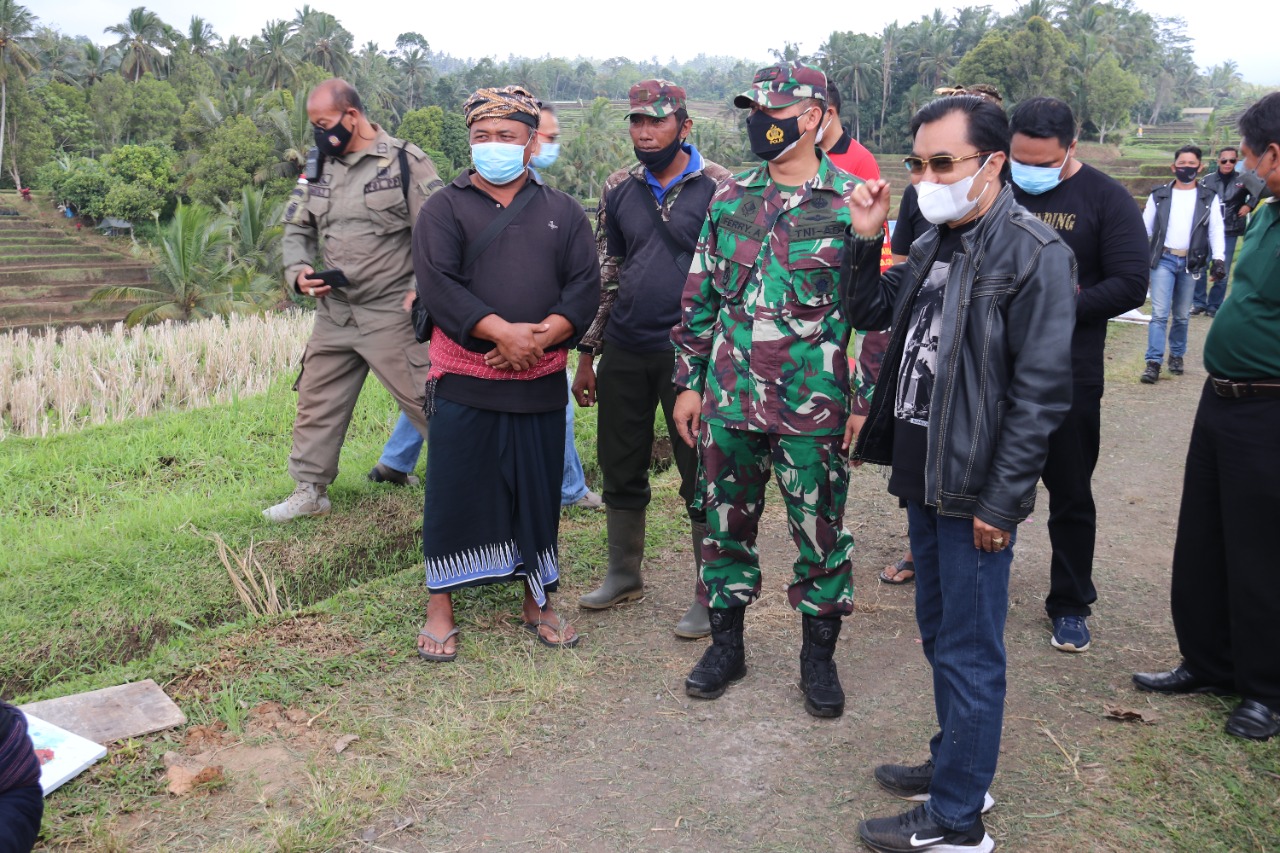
(1236, 390)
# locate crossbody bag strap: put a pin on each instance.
(487, 236)
(681, 257)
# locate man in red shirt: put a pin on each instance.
(845, 151)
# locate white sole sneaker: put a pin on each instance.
(988, 803)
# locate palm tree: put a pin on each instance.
(142, 35)
(200, 37)
(256, 234)
(285, 117)
(96, 63)
(415, 67)
(276, 50)
(325, 42)
(858, 67)
(194, 277)
(16, 61)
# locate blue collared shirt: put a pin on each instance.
(694, 164)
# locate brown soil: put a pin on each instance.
(640, 766)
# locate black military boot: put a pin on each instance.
(823, 695)
(724, 660)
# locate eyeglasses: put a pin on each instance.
(1225, 160)
(941, 164)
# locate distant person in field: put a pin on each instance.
(507, 268)
(1184, 226)
(1097, 218)
(358, 215)
(647, 225)
(400, 454)
(21, 798)
(1237, 202)
(1225, 596)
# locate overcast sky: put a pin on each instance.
(600, 30)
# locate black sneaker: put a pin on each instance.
(1175, 365)
(1151, 374)
(912, 783)
(382, 474)
(1198, 310)
(915, 830)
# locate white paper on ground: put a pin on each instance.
(1132, 316)
(72, 754)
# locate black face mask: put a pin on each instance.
(332, 141)
(1186, 174)
(656, 161)
(770, 136)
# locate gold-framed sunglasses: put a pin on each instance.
(940, 163)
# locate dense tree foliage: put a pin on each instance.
(229, 113)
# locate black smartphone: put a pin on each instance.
(335, 278)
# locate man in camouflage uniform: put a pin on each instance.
(360, 211)
(762, 364)
(642, 275)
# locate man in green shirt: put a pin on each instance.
(1226, 580)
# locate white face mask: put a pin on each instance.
(941, 203)
(817, 140)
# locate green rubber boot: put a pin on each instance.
(696, 622)
(622, 581)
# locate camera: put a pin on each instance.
(315, 164)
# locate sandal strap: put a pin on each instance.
(433, 638)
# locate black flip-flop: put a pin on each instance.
(532, 628)
(898, 568)
(445, 657)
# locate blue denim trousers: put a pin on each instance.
(1172, 289)
(962, 598)
(1210, 297)
(402, 449)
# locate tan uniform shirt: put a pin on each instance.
(356, 214)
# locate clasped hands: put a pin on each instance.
(519, 346)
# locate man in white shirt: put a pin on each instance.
(1184, 224)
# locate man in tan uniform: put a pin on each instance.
(359, 212)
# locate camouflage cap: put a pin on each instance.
(657, 98)
(784, 84)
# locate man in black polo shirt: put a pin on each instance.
(643, 264)
(1099, 220)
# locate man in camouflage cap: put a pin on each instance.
(764, 381)
(647, 225)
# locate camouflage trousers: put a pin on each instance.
(813, 477)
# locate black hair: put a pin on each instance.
(988, 126)
(682, 115)
(1189, 149)
(1260, 124)
(1224, 149)
(833, 98)
(1044, 118)
(546, 108)
(345, 97)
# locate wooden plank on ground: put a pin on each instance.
(113, 713)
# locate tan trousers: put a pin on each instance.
(334, 367)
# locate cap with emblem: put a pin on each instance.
(782, 85)
(657, 98)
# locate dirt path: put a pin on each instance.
(639, 766)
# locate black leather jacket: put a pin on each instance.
(1233, 189)
(1003, 376)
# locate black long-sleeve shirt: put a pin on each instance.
(1098, 219)
(544, 262)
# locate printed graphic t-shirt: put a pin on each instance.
(918, 370)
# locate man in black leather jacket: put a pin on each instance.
(1237, 201)
(976, 377)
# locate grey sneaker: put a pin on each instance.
(589, 501)
(308, 499)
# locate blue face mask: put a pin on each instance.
(1036, 179)
(546, 156)
(498, 163)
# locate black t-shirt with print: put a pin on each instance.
(914, 393)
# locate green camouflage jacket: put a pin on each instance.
(762, 334)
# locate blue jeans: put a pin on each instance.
(1212, 299)
(1172, 288)
(402, 449)
(962, 598)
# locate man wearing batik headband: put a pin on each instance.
(505, 308)
(647, 224)
(764, 381)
